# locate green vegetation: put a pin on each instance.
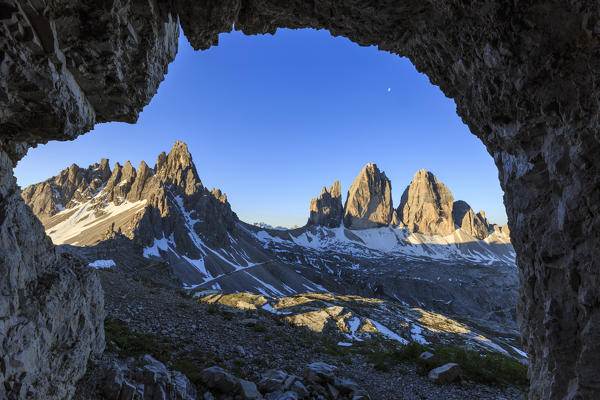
(191, 368)
(384, 360)
(485, 368)
(384, 355)
(126, 343)
(123, 341)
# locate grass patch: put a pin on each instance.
(384, 360)
(333, 349)
(487, 368)
(123, 341)
(126, 343)
(190, 368)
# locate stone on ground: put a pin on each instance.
(447, 373)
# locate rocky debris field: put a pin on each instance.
(358, 318)
(162, 343)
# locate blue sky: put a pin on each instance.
(271, 119)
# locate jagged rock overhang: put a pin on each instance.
(524, 76)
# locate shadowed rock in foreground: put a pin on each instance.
(51, 306)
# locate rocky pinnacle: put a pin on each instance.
(327, 210)
(369, 201)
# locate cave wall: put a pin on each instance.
(524, 76)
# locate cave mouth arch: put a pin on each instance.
(237, 130)
(525, 79)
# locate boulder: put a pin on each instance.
(219, 379)
(447, 373)
(128, 391)
(333, 392)
(145, 378)
(279, 395)
(272, 380)
(248, 390)
(360, 395)
(428, 357)
(113, 381)
(320, 372)
(299, 388)
(345, 385)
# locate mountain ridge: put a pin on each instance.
(426, 206)
(163, 224)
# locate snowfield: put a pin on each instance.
(381, 242)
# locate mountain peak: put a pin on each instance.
(336, 190)
(369, 201)
(464, 216)
(178, 169)
(327, 210)
(180, 148)
(426, 205)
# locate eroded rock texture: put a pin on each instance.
(51, 306)
(524, 75)
(426, 206)
(327, 210)
(369, 201)
(64, 66)
(474, 224)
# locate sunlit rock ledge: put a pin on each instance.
(359, 318)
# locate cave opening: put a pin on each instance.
(350, 106)
(525, 86)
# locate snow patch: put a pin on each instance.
(102, 264)
(388, 333)
(159, 244)
(416, 334)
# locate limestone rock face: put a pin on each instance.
(468, 221)
(73, 185)
(167, 203)
(327, 210)
(151, 198)
(369, 201)
(531, 96)
(52, 306)
(426, 206)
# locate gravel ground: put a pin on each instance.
(219, 332)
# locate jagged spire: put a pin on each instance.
(327, 210)
(178, 169)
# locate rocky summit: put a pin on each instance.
(426, 206)
(326, 210)
(162, 213)
(475, 224)
(369, 201)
